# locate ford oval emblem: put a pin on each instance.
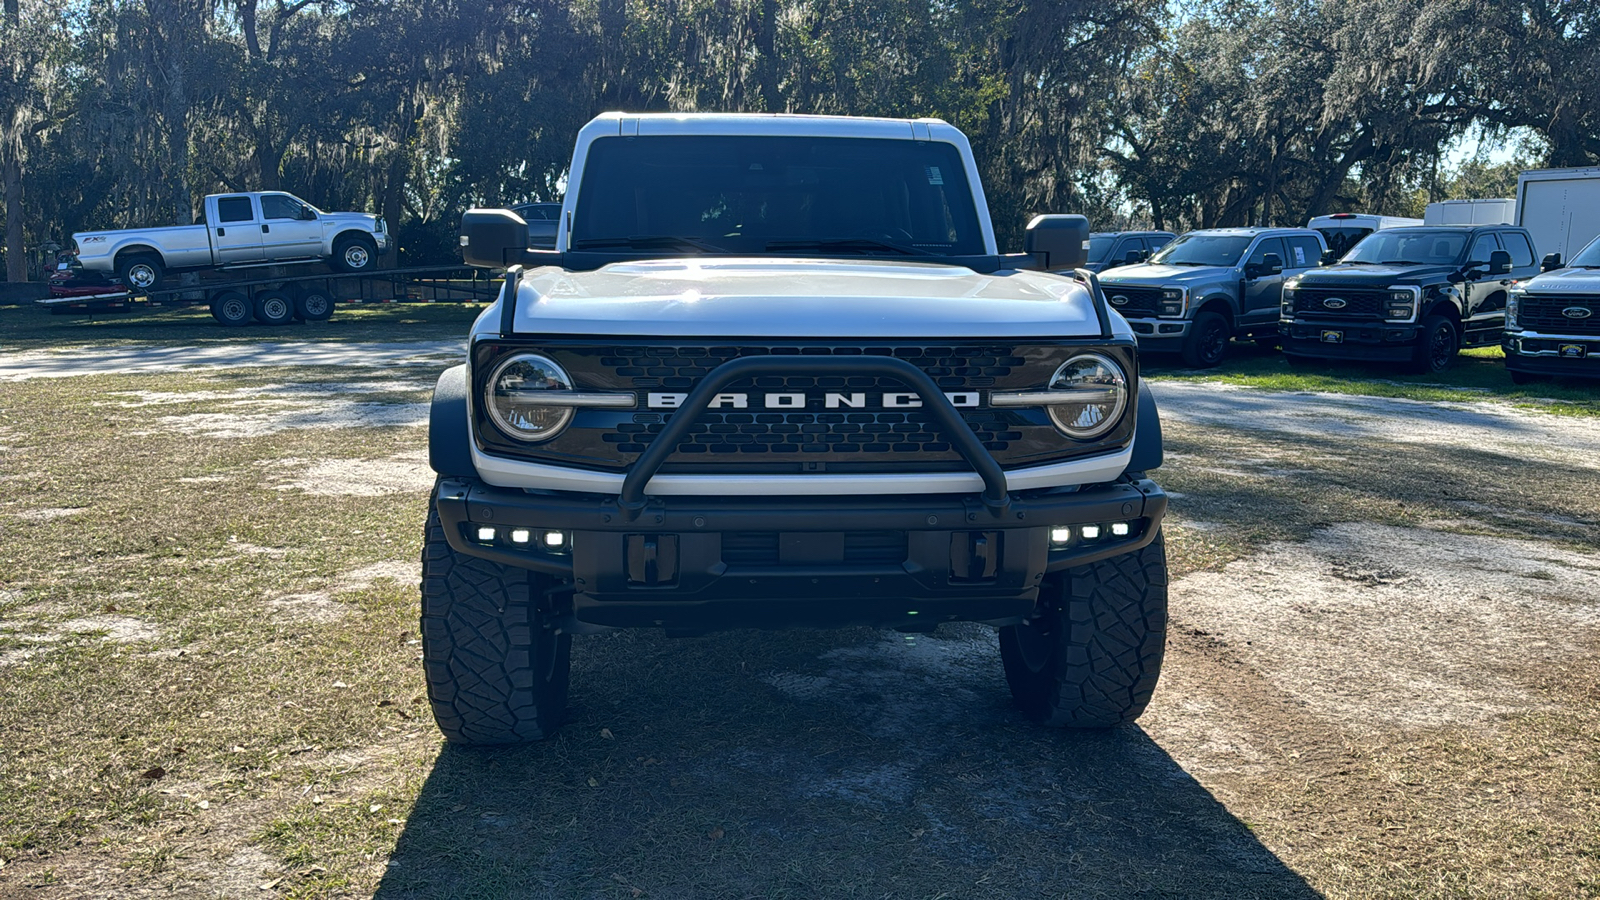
(1119, 300)
(1333, 303)
(1577, 312)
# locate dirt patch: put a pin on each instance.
(1378, 626)
(298, 415)
(314, 607)
(48, 515)
(126, 360)
(402, 571)
(407, 473)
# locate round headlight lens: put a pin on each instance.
(512, 397)
(1104, 389)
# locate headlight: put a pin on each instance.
(1400, 304)
(1099, 393)
(1172, 301)
(511, 397)
(1513, 301)
(1290, 286)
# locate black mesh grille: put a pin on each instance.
(1545, 314)
(861, 548)
(1357, 302)
(1137, 302)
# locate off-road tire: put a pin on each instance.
(141, 273)
(496, 668)
(355, 254)
(1206, 344)
(273, 308)
(1092, 656)
(1438, 341)
(313, 304)
(232, 308)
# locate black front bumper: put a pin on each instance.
(705, 563)
(1363, 340)
(1552, 356)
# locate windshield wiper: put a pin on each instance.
(1399, 262)
(863, 245)
(647, 242)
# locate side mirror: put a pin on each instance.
(1057, 243)
(1550, 263)
(1328, 258)
(1133, 257)
(1499, 262)
(493, 238)
(1272, 263)
(307, 214)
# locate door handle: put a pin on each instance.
(222, 232)
(265, 228)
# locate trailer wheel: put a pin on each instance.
(313, 304)
(141, 272)
(355, 254)
(231, 308)
(274, 308)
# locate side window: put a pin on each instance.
(1481, 248)
(1304, 252)
(277, 206)
(1517, 245)
(1270, 245)
(1156, 243)
(234, 209)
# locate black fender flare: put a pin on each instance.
(1147, 450)
(449, 434)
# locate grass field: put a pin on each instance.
(1380, 682)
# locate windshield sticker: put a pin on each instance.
(1299, 256)
(934, 175)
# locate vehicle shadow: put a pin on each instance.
(818, 764)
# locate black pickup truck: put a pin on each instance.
(1409, 295)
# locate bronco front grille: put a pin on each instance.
(1358, 302)
(1548, 315)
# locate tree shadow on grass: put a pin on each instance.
(834, 764)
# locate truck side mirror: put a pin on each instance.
(1550, 263)
(1132, 257)
(493, 238)
(1328, 258)
(1499, 262)
(1272, 264)
(1057, 243)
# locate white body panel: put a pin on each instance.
(1498, 211)
(1362, 220)
(1560, 208)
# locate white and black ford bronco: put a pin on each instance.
(777, 374)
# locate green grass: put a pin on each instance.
(1478, 374)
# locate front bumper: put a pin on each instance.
(1159, 335)
(1539, 354)
(1363, 340)
(692, 564)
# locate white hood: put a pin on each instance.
(799, 298)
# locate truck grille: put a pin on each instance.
(861, 548)
(813, 437)
(1359, 302)
(1139, 302)
(1545, 315)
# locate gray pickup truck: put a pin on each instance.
(254, 228)
(1208, 287)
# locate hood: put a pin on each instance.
(774, 298)
(1565, 281)
(348, 217)
(1373, 275)
(1157, 275)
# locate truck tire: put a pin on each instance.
(231, 308)
(1207, 341)
(1437, 344)
(141, 272)
(313, 304)
(273, 308)
(496, 668)
(353, 253)
(1092, 657)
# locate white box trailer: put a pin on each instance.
(1560, 208)
(1489, 211)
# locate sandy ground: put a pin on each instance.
(134, 359)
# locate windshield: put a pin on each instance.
(1204, 250)
(1100, 248)
(777, 194)
(1588, 257)
(1410, 246)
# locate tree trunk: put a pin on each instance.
(16, 258)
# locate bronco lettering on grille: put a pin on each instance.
(830, 400)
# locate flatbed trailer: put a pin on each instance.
(277, 299)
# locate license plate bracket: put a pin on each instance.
(1332, 337)
(1572, 351)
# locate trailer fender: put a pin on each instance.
(449, 438)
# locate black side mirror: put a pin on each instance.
(493, 238)
(1057, 242)
(1550, 263)
(1328, 258)
(1272, 263)
(1132, 257)
(1499, 262)
(307, 214)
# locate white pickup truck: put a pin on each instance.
(259, 228)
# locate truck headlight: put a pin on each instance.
(1513, 302)
(1400, 304)
(1099, 393)
(1172, 300)
(511, 397)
